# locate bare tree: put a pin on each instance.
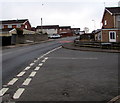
(86, 29)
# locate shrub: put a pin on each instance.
(19, 31)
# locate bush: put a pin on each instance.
(19, 31)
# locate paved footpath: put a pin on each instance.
(72, 47)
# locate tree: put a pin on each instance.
(86, 29)
(19, 31)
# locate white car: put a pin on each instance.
(54, 36)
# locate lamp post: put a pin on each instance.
(42, 22)
(41, 26)
(94, 24)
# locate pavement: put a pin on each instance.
(72, 47)
(26, 44)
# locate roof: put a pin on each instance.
(13, 21)
(48, 27)
(113, 10)
(75, 28)
(65, 27)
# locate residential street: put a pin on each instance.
(15, 59)
(48, 72)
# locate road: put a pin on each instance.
(57, 74)
(15, 59)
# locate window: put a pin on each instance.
(18, 26)
(9, 26)
(112, 36)
(0, 26)
(14, 26)
(105, 22)
(5, 26)
(26, 26)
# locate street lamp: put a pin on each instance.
(94, 24)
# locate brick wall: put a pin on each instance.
(105, 35)
(109, 20)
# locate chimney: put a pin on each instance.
(119, 4)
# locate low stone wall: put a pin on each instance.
(35, 38)
(27, 38)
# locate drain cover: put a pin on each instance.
(65, 94)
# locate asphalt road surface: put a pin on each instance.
(15, 59)
(55, 74)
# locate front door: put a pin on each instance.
(112, 36)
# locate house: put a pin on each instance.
(47, 29)
(65, 31)
(111, 25)
(87, 37)
(8, 30)
(97, 35)
(23, 24)
(76, 31)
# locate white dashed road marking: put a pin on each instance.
(46, 58)
(27, 68)
(40, 64)
(27, 81)
(43, 61)
(32, 74)
(18, 93)
(35, 61)
(32, 64)
(3, 91)
(12, 81)
(20, 74)
(37, 68)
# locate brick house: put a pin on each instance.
(111, 25)
(65, 31)
(48, 29)
(8, 30)
(23, 24)
(76, 31)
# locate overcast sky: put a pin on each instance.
(74, 13)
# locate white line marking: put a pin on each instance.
(20, 74)
(12, 81)
(27, 68)
(32, 64)
(43, 61)
(40, 64)
(46, 58)
(27, 81)
(37, 68)
(3, 91)
(50, 51)
(73, 58)
(35, 61)
(18, 93)
(32, 74)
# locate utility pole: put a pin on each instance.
(41, 26)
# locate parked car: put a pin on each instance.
(54, 36)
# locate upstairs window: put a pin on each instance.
(14, 26)
(26, 26)
(105, 22)
(5, 26)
